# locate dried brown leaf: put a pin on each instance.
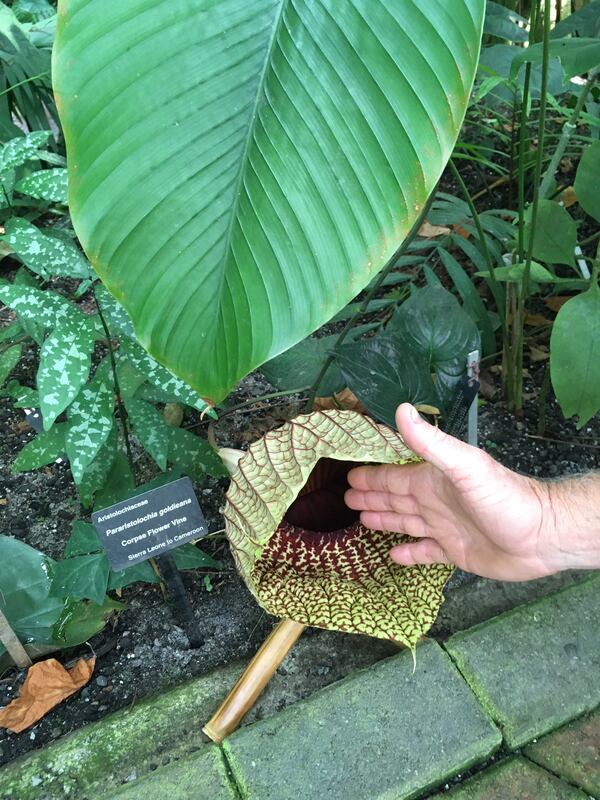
(537, 320)
(346, 399)
(429, 231)
(568, 197)
(557, 302)
(47, 684)
(461, 231)
(538, 352)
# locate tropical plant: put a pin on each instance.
(274, 158)
(90, 366)
(303, 553)
(42, 621)
(26, 36)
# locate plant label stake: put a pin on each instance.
(465, 400)
(149, 525)
(473, 362)
(13, 646)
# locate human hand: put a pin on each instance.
(461, 506)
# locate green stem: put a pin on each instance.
(519, 322)
(21, 83)
(596, 269)
(568, 129)
(543, 398)
(496, 288)
(367, 299)
(271, 396)
(120, 404)
(523, 139)
(590, 239)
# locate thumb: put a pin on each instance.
(439, 448)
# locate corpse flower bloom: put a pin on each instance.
(303, 553)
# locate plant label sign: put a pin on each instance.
(150, 524)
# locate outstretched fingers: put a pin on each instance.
(381, 501)
(425, 551)
(409, 524)
(392, 478)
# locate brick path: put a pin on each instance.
(513, 702)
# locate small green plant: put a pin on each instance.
(26, 37)
(43, 620)
(95, 385)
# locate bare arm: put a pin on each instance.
(464, 508)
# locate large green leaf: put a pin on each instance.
(588, 180)
(238, 171)
(383, 372)
(24, 599)
(432, 323)
(575, 355)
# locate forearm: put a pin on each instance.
(572, 522)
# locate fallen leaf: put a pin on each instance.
(461, 231)
(537, 320)
(568, 197)
(429, 231)
(557, 302)
(346, 400)
(47, 684)
(3, 501)
(566, 165)
(538, 352)
(487, 389)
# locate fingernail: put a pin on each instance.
(414, 415)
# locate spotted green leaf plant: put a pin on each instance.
(92, 376)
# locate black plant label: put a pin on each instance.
(150, 524)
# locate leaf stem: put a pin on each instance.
(120, 404)
(519, 321)
(271, 396)
(368, 297)
(569, 127)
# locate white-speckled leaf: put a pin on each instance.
(150, 428)
(96, 474)
(48, 184)
(19, 151)
(47, 309)
(44, 449)
(8, 361)
(115, 315)
(90, 423)
(160, 376)
(65, 359)
(45, 255)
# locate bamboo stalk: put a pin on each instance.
(256, 676)
(14, 647)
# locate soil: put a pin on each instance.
(143, 650)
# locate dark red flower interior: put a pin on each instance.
(320, 505)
